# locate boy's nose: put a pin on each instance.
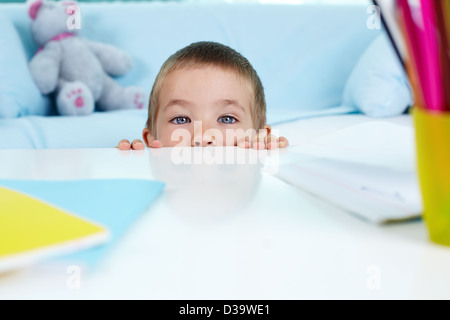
(203, 140)
(201, 137)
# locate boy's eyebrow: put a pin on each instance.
(174, 102)
(228, 102)
(221, 102)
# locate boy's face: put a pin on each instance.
(197, 106)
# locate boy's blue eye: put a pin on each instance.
(227, 119)
(180, 120)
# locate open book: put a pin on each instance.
(367, 169)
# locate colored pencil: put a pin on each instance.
(430, 55)
(442, 11)
(414, 66)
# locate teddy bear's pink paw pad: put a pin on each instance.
(76, 97)
(134, 98)
(79, 102)
(139, 101)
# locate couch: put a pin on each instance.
(304, 55)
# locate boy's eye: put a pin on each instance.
(180, 120)
(227, 119)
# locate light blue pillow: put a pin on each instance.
(378, 85)
(19, 95)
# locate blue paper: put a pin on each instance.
(114, 204)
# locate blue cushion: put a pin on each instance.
(303, 72)
(98, 130)
(378, 85)
(19, 95)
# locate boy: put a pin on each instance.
(207, 94)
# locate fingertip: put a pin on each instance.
(259, 145)
(283, 142)
(272, 145)
(243, 144)
(124, 145)
(156, 144)
(138, 146)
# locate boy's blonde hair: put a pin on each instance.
(216, 54)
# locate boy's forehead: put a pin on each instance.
(214, 71)
(201, 85)
(212, 68)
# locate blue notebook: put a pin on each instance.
(112, 203)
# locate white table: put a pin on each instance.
(229, 232)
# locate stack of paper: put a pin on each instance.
(368, 170)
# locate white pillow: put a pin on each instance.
(378, 85)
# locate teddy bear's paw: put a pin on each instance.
(135, 98)
(75, 99)
(121, 65)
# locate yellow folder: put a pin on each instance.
(31, 230)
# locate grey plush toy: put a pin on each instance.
(78, 70)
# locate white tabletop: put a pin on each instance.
(229, 231)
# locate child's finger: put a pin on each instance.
(156, 144)
(271, 142)
(244, 143)
(124, 145)
(137, 145)
(258, 142)
(282, 142)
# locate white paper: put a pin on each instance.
(367, 169)
(378, 143)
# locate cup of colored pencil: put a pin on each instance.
(425, 30)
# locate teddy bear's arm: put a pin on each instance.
(44, 67)
(114, 61)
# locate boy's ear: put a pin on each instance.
(147, 136)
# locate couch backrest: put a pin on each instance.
(303, 53)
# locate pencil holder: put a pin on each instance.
(432, 132)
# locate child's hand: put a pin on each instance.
(264, 141)
(137, 144)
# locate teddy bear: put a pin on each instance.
(78, 71)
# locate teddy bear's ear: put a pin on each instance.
(34, 8)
